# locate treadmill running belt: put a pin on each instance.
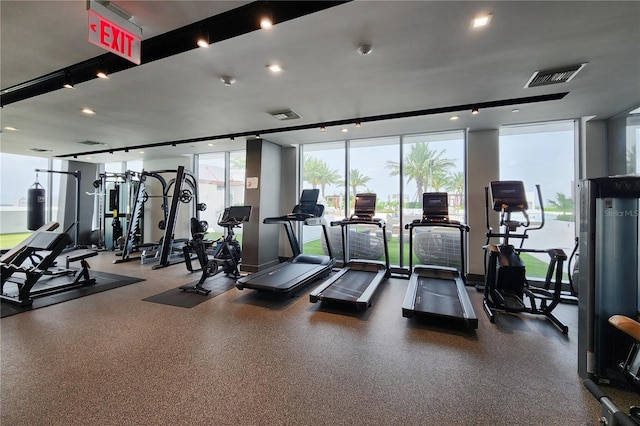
(350, 286)
(438, 296)
(282, 276)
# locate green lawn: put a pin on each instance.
(8, 241)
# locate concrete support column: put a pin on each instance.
(263, 192)
(482, 168)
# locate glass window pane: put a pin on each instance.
(211, 188)
(542, 154)
(323, 168)
(369, 171)
(237, 172)
(633, 143)
(17, 176)
(433, 162)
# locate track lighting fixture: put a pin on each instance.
(475, 111)
(323, 129)
(102, 71)
(203, 38)
(68, 81)
(266, 23)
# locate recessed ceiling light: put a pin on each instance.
(274, 68)
(9, 128)
(481, 21)
(88, 111)
(345, 130)
(453, 117)
(140, 152)
(515, 110)
(209, 144)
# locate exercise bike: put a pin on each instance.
(221, 255)
(506, 287)
(611, 415)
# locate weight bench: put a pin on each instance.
(36, 260)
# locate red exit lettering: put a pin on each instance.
(113, 37)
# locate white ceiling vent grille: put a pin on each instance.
(91, 143)
(554, 76)
(287, 114)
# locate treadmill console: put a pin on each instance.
(435, 207)
(508, 196)
(365, 207)
(308, 205)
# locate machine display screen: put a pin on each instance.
(239, 213)
(435, 204)
(510, 194)
(365, 204)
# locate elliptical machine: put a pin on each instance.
(506, 287)
(221, 255)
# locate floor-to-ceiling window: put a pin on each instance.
(220, 184)
(398, 169)
(543, 154)
(633, 142)
(17, 176)
(323, 167)
(432, 162)
(369, 171)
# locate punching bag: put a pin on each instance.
(36, 202)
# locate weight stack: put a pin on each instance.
(36, 203)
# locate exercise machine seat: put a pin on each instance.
(627, 325)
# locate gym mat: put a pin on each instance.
(104, 282)
(186, 299)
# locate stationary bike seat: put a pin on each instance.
(626, 324)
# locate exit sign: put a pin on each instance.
(114, 33)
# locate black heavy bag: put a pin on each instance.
(36, 202)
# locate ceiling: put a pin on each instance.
(426, 65)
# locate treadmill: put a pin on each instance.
(300, 269)
(438, 291)
(356, 283)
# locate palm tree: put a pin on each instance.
(356, 180)
(562, 202)
(318, 173)
(456, 183)
(423, 165)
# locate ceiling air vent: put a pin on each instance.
(91, 143)
(554, 76)
(287, 114)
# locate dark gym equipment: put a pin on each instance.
(168, 250)
(629, 368)
(506, 285)
(608, 278)
(36, 206)
(76, 223)
(221, 255)
(439, 291)
(357, 281)
(301, 268)
(37, 258)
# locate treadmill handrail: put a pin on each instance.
(353, 221)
